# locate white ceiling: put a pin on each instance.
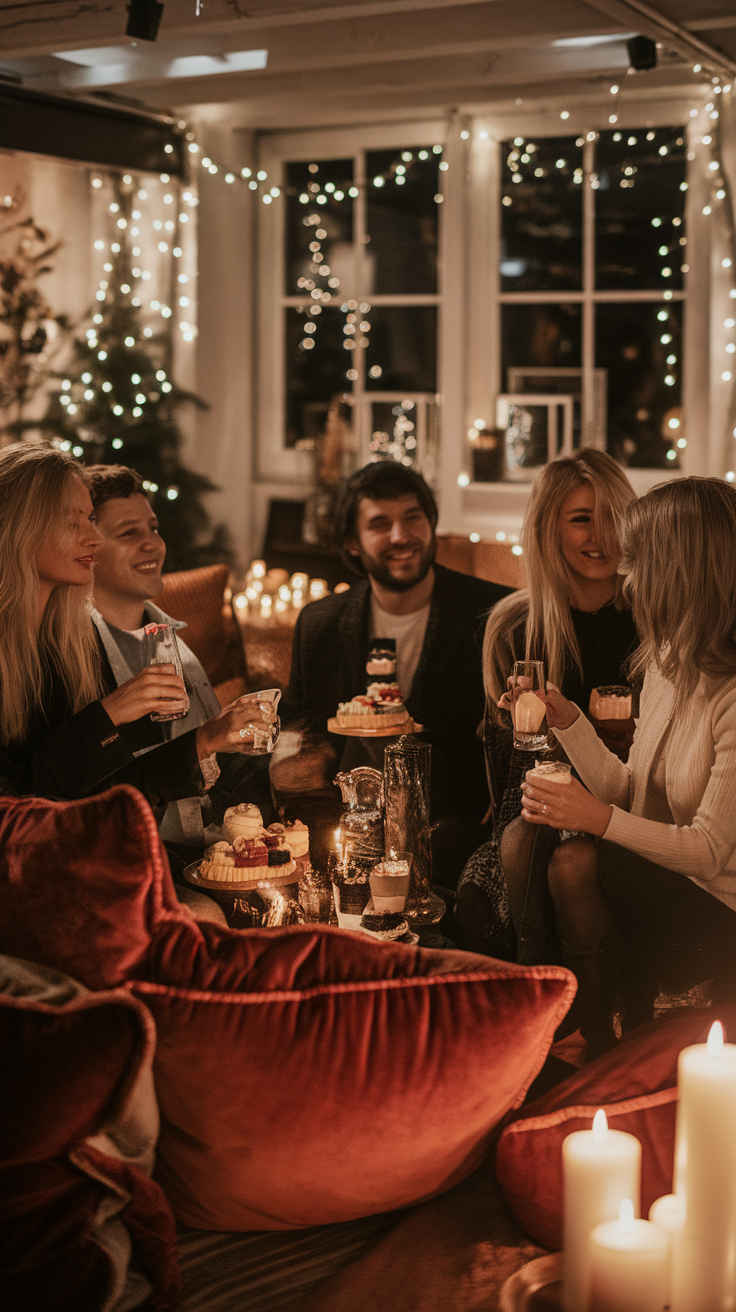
(275, 63)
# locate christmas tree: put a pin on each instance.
(117, 404)
(26, 323)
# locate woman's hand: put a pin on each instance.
(222, 732)
(565, 806)
(157, 688)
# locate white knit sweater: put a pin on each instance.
(699, 760)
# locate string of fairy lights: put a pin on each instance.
(321, 284)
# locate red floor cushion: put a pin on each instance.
(305, 1074)
(636, 1085)
(78, 1123)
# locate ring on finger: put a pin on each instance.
(544, 808)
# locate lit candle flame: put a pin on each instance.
(714, 1044)
(600, 1126)
(626, 1216)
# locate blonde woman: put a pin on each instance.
(572, 616)
(666, 871)
(66, 730)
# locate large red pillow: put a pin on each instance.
(78, 1123)
(636, 1085)
(305, 1074)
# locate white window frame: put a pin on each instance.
(490, 508)
(469, 299)
(282, 471)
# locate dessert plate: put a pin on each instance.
(284, 876)
(537, 1287)
(391, 731)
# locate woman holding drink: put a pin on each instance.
(66, 730)
(665, 871)
(573, 621)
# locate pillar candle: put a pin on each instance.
(667, 1212)
(628, 1264)
(601, 1167)
(704, 1271)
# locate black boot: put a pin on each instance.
(594, 1004)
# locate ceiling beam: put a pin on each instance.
(651, 22)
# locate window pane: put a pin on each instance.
(640, 206)
(404, 430)
(319, 214)
(401, 220)
(402, 350)
(541, 336)
(315, 373)
(639, 346)
(542, 244)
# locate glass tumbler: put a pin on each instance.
(161, 649)
(528, 712)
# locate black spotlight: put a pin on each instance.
(144, 17)
(642, 52)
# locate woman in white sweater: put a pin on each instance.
(666, 870)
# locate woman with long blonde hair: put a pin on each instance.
(666, 872)
(66, 729)
(572, 615)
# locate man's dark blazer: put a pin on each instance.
(328, 666)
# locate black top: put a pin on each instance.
(66, 755)
(607, 638)
(328, 666)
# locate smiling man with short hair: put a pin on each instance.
(127, 577)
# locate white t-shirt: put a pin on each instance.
(408, 631)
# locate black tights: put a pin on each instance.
(623, 925)
(583, 925)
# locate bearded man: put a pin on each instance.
(385, 528)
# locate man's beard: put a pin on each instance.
(383, 576)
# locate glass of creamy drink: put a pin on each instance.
(550, 772)
(389, 881)
(528, 712)
(610, 702)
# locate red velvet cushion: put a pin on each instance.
(82, 883)
(305, 1074)
(636, 1084)
(69, 1071)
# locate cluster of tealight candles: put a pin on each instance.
(684, 1256)
(274, 596)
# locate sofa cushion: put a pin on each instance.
(82, 884)
(305, 1074)
(78, 1125)
(636, 1085)
(197, 597)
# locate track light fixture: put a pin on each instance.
(144, 17)
(642, 52)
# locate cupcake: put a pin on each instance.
(242, 821)
(388, 925)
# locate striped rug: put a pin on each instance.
(268, 1270)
